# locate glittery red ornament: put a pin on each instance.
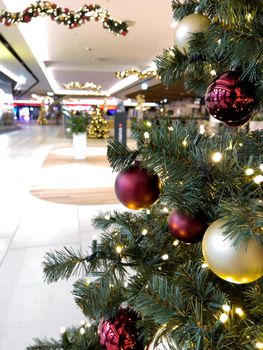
(137, 189)
(230, 99)
(120, 333)
(187, 229)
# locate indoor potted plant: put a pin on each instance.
(256, 122)
(78, 125)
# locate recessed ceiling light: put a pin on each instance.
(87, 48)
(21, 80)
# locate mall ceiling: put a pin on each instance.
(56, 55)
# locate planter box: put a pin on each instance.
(255, 125)
(80, 145)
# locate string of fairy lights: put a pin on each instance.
(65, 16)
(217, 156)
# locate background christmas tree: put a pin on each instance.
(190, 290)
(98, 125)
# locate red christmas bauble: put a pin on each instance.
(236, 124)
(187, 229)
(230, 99)
(137, 189)
(120, 332)
(26, 19)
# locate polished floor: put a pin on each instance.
(29, 227)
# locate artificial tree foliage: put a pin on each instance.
(137, 262)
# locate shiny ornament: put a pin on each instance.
(120, 333)
(194, 23)
(230, 99)
(238, 123)
(137, 189)
(185, 228)
(229, 263)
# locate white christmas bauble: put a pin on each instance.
(194, 23)
(243, 265)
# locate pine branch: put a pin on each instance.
(63, 264)
(46, 344)
(81, 338)
(125, 156)
(100, 298)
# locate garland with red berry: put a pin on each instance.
(69, 18)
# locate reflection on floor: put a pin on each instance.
(62, 179)
(29, 227)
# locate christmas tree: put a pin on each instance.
(184, 270)
(98, 125)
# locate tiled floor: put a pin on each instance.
(29, 227)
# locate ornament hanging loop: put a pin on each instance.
(198, 9)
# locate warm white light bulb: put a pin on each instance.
(261, 167)
(148, 212)
(107, 217)
(184, 143)
(204, 265)
(249, 171)
(148, 123)
(165, 210)
(217, 157)
(118, 249)
(146, 135)
(165, 257)
(62, 330)
(144, 232)
(82, 331)
(223, 318)
(259, 345)
(239, 311)
(175, 243)
(226, 308)
(258, 179)
(213, 73)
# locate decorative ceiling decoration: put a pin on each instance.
(75, 85)
(134, 71)
(43, 99)
(69, 18)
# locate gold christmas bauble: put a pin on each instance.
(237, 265)
(194, 23)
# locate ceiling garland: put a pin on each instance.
(134, 71)
(75, 85)
(71, 19)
